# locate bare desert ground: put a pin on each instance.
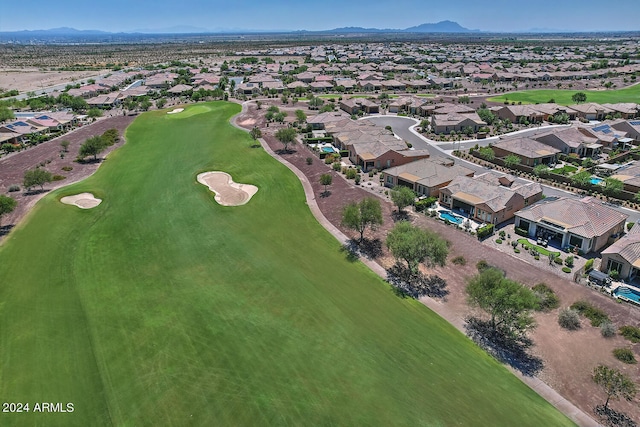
(31, 79)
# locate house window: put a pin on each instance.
(389, 179)
(613, 265)
(576, 241)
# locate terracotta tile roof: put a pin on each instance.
(584, 217)
(628, 247)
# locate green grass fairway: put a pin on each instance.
(161, 307)
(563, 97)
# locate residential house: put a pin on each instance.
(625, 110)
(590, 111)
(623, 255)
(586, 224)
(355, 105)
(530, 151)
(248, 89)
(571, 141)
(492, 197)
(425, 176)
(445, 123)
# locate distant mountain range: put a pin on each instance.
(439, 27)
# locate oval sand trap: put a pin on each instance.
(82, 200)
(175, 111)
(228, 193)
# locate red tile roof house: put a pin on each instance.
(530, 151)
(319, 121)
(179, 89)
(306, 77)
(425, 176)
(623, 256)
(321, 86)
(248, 88)
(626, 110)
(585, 224)
(492, 197)
(590, 111)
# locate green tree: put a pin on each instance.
(7, 205)
(315, 103)
(612, 187)
(487, 116)
(92, 147)
(579, 97)
(508, 303)
(581, 179)
(279, 117)
(301, 116)
(37, 176)
(77, 104)
(360, 216)
(287, 136)
(415, 245)
(511, 160)
(614, 383)
(94, 113)
(326, 179)
(65, 145)
(6, 113)
(588, 163)
(255, 133)
(487, 153)
(402, 196)
(160, 103)
(541, 170)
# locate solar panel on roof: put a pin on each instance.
(635, 123)
(600, 128)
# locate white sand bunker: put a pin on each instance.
(228, 193)
(175, 111)
(82, 200)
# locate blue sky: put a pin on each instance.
(491, 15)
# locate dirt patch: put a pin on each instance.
(228, 193)
(32, 79)
(82, 200)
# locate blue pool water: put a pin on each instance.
(623, 291)
(328, 150)
(450, 217)
(596, 181)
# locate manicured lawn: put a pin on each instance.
(563, 96)
(161, 307)
(541, 250)
(565, 170)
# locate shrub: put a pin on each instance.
(594, 314)
(502, 234)
(337, 167)
(485, 231)
(14, 188)
(309, 160)
(351, 173)
(483, 265)
(357, 179)
(607, 329)
(630, 225)
(536, 257)
(625, 356)
(588, 266)
(547, 297)
(459, 260)
(67, 168)
(558, 260)
(58, 177)
(425, 203)
(566, 269)
(631, 333)
(569, 261)
(516, 250)
(499, 241)
(569, 319)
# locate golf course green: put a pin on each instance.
(162, 307)
(563, 96)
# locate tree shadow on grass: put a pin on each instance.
(350, 249)
(507, 349)
(416, 285)
(5, 229)
(613, 418)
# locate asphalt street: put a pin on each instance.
(403, 127)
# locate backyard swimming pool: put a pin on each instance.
(628, 293)
(450, 217)
(596, 181)
(328, 150)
